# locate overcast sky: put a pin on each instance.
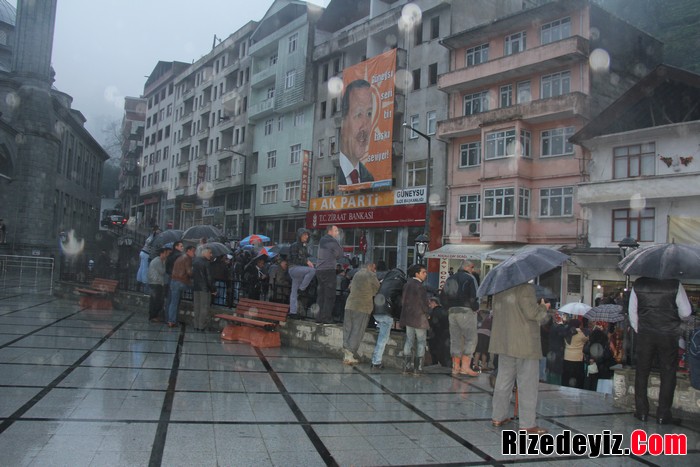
(104, 49)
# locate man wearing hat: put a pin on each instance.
(156, 281)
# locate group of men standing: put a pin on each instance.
(175, 269)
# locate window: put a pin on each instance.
(273, 60)
(432, 74)
(634, 161)
(326, 185)
(334, 106)
(555, 142)
(414, 122)
(320, 148)
(470, 154)
(477, 55)
(298, 118)
(419, 33)
(500, 144)
(331, 145)
(322, 111)
(336, 65)
(557, 202)
(555, 84)
(524, 93)
(293, 42)
(270, 93)
(280, 123)
(470, 208)
(156, 178)
(268, 126)
(525, 143)
(269, 194)
(289, 79)
(476, 103)
(324, 72)
(292, 190)
(524, 202)
(434, 27)
(638, 224)
(295, 154)
(271, 159)
(498, 202)
(430, 122)
(556, 30)
(415, 173)
(514, 43)
(506, 95)
(416, 79)
(573, 284)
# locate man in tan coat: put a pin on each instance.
(358, 308)
(515, 337)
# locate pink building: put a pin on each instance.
(518, 88)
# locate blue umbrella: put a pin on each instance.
(254, 238)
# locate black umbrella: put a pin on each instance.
(202, 231)
(663, 261)
(217, 249)
(520, 268)
(167, 236)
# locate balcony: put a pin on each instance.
(184, 141)
(653, 187)
(263, 77)
(186, 118)
(515, 67)
(261, 109)
(203, 134)
(540, 111)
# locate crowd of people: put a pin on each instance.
(515, 332)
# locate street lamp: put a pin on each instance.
(627, 245)
(423, 239)
(243, 186)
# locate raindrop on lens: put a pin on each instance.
(596, 350)
(586, 213)
(391, 40)
(434, 199)
(637, 202)
(205, 190)
(379, 300)
(335, 86)
(12, 100)
(455, 236)
(411, 14)
(599, 60)
(403, 80)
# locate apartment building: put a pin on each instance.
(281, 111)
(159, 92)
(518, 88)
(131, 147)
(643, 171)
(212, 140)
(382, 224)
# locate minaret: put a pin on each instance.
(33, 115)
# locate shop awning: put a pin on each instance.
(483, 251)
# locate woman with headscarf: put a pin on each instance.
(573, 371)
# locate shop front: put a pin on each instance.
(378, 227)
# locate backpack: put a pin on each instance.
(454, 292)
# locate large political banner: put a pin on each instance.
(367, 122)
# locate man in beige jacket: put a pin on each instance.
(358, 308)
(515, 337)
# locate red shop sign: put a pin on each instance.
(412, 215)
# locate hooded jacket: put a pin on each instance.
(298, 253)
(329, 252)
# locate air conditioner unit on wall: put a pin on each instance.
(474, 228)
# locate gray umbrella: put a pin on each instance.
(520, 268)
(664, 261)
(217, 249)
(202, 231)
(167, 236)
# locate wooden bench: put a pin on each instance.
(99, 295)
(255, 322)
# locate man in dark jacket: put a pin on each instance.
(203, 289)
(387, 306)
(414, 316)
(301, 269)
(655, 312)
(459, 295)
(329, 252)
